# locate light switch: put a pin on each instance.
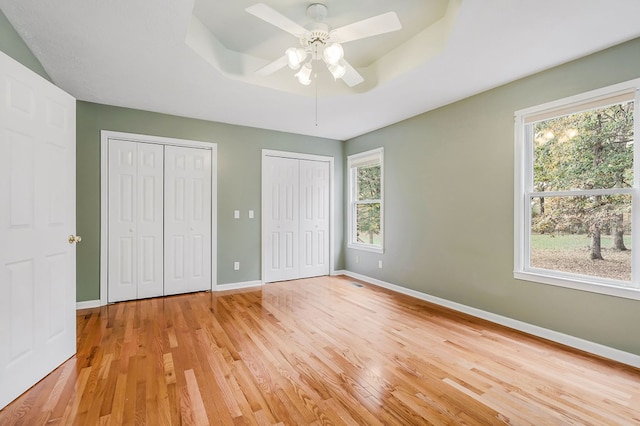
(236, 214)
(250, 214)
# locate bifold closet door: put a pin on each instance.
(187, 220)
(281, 218)
(296, 218)
(314, 218)
(135, 220)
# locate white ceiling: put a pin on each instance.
(155, 55)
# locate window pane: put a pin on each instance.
(587, 150)
(368, 223)
(368, 182)
(582, 235)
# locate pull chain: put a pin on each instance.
(315, 78)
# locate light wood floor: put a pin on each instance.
(318, 351)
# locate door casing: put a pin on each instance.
(105, 137)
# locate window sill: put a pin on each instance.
(578, 283)
(364, 247)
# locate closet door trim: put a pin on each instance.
(105, 137)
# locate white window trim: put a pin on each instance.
(523, 163)
(353, 161)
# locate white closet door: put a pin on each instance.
(187, 220)
(37, 216)
(123, 156)
(281, 218)
(314, 218)
(149, 231)
(135, 220)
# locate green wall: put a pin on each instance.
(239, 183)
(12, 44)
(449, 185)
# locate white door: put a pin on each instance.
(314, 218)
(280, 217)
(295, 238)
(37, 216)
(135, 220)
(187, 212)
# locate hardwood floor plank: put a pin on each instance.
(62, 379)
(71, 410)
(117, 409)
(318, 352)
(255, 397)
(197, 405)
(222, 378)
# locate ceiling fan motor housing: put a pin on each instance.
(315, 40)
(319, 32)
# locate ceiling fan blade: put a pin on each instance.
(381, 24)
(273, 17)
(274, 66)
(351, 77)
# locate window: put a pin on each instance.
(366, 200)
(577, 192)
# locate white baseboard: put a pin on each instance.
(237, 286)
(339, 272)
(565, 339)
(88, 304)
(220, 287)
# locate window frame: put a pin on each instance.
(366, 158)
(523, 191)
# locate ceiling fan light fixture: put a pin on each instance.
(304, 75)
(295, 56)
(333, 54)
(320, 41)
(338, 70)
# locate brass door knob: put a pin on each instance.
(74, 239)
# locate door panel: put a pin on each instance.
(187, 220)
(37, 214)
(281, 185)
(314, 218)
(150, 223)
(135, 220)
(123, 156)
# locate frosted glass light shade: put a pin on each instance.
(295, 57)
(304, 75)
(333, 54)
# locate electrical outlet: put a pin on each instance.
(250, 214)
(236, 214)
(380, 264)
(236, 266)
(357, 259)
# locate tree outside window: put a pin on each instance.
(365, 218)
(578, 190)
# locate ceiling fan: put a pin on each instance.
(319, 42)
